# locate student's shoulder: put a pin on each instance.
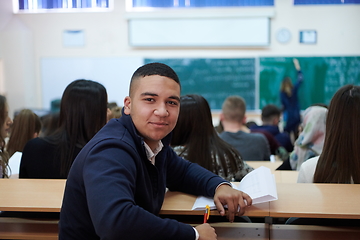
(258, 136)
(38, 142)
(307, 170)
(310, 163)
(115, 133)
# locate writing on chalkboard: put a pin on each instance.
(323, 76)
(215, 79)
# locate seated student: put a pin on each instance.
(114, 111)
(251, 146)
(339, 161)
(275, 147)
(198, 141)
(49, 123)
(82, 114)
(310, 141)
(116, 185)
(26, 126)
(270, 116)
(5, 124)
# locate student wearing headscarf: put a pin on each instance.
(311, 139)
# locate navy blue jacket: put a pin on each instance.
(283, 138)
(114, 192)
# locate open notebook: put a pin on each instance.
(259, 184)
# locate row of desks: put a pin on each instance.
(294, 199)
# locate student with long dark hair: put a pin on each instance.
(82, 114)
(195, 139)
(339, 161)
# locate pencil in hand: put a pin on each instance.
(207, 213)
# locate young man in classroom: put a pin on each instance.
(251, 146)
(270, 117)
(116, 186)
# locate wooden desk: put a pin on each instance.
(300, 232)
(177, 203)
(282, 176)
(31, 195)
(272, 165)
(317, 201)
(244, 231)
(19, 228)
(295, 200)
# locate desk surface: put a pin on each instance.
(282, 176)
(272, 165)
(177, 203)
(317, 201)
(294, 199)
(45, 195)
(31, 195)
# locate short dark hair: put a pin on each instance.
(270, 111)
(154, 68)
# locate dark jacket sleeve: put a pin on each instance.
(188, 177)
(110, 189)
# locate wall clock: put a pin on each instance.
(283, 35)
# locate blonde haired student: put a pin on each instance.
(251, 146)
(26, 126)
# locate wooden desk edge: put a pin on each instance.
(312, 215)
(32, 209)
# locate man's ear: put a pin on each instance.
(276, 120)
(221, 116)
(244, 120)
(127, 105)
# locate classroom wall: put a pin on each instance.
(26, 39)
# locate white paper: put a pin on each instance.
(14, 163)
(259, 184)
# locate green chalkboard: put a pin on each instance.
(215, 79)
(323, 76)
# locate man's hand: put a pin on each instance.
(235, 200)
(206, 232)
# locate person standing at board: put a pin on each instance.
(290, 102)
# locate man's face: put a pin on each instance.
(154, 107)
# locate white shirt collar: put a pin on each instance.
(150, 154)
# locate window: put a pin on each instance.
(198, 3)
(309, 2)
(34, 6)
